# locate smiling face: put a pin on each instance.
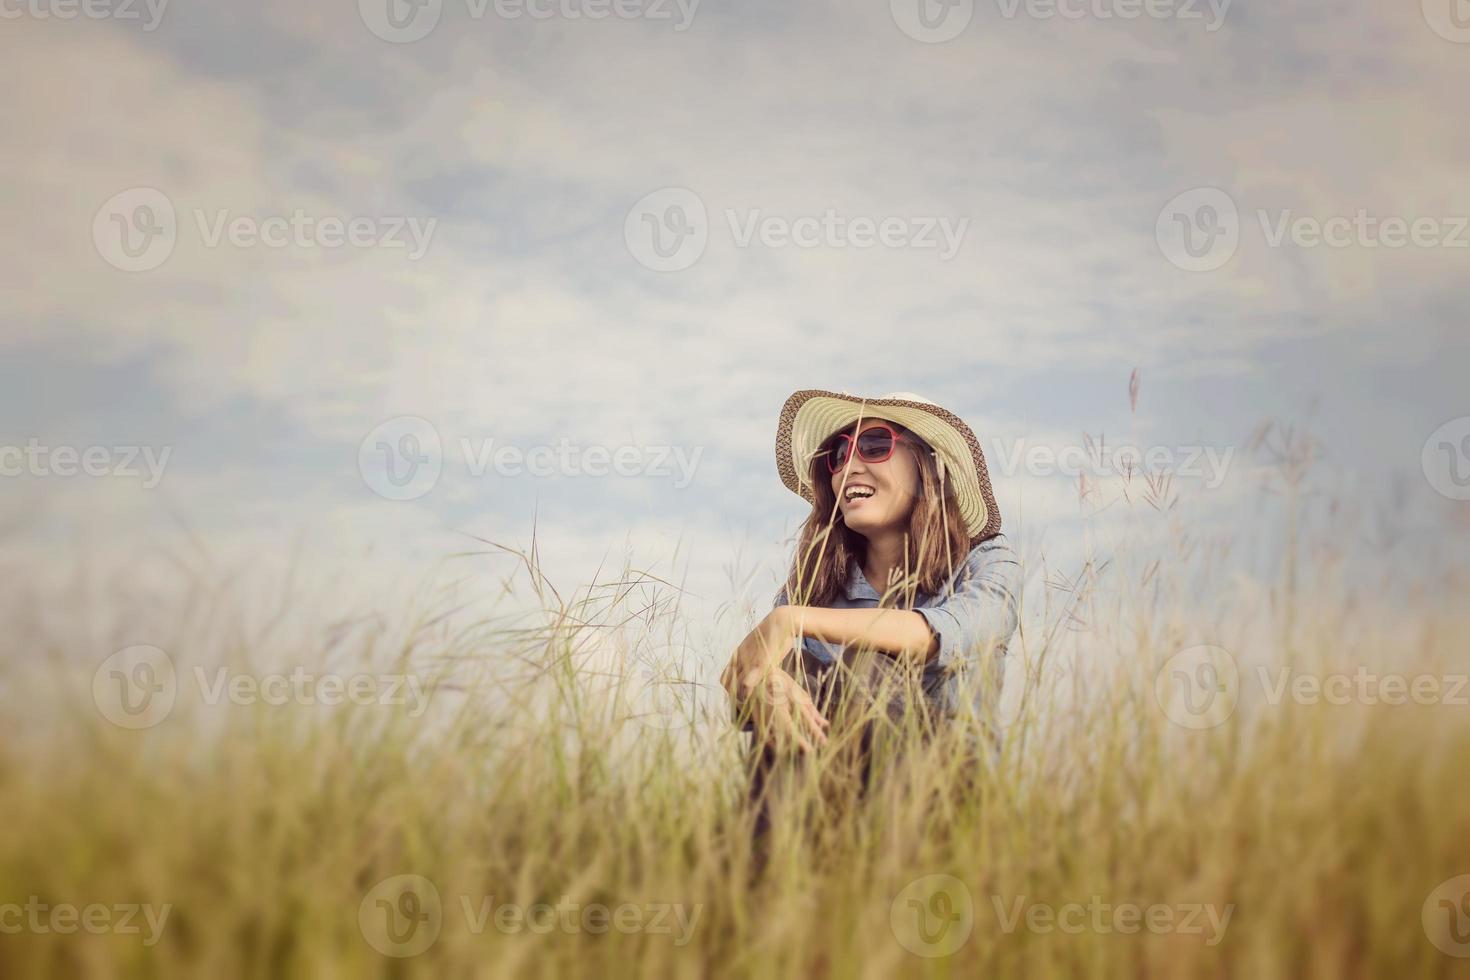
(876, 497)
(905, 499)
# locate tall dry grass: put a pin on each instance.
(580, 752)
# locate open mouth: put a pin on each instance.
(857, 491)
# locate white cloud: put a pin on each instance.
(529, 319)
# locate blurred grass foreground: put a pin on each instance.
(1203, 773)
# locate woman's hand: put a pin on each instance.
(781, 708)
(765, 646)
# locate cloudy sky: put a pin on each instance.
(359, 278)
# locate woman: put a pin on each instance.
(906, 591)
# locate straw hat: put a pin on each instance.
(810, 417)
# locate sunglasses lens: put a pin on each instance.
(875, 445)
(836, 452)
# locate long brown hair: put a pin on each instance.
(935, 543)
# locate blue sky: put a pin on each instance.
(531, 317)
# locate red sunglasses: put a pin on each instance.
(874, 445)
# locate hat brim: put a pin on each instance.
(811, 416)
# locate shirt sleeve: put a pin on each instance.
(980, 611)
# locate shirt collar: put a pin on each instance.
(857, 586)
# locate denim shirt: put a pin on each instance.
(974, 614)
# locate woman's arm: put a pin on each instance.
(979, 613)
(897, 632)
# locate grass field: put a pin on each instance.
(531, 795)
